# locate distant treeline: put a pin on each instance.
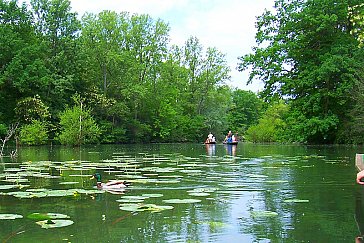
(115, 77)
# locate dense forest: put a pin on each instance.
(115, 78)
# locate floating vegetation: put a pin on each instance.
(263, 214)
(130, 200)
(54, 223)
(44, 216)
(16, 180)
(68, 182)
(157, 181)
(144, 207)
(191, 171)
(152, 195)
(7, 187)
(296, 201)
(203, 189)
(276, 182)
(256, 176)
(199, 194)
(187, 200)
(213, 224)
(51, 193)
(7, 216)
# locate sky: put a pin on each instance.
(228, 25)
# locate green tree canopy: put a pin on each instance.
(307, 55)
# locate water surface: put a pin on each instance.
(245, 193)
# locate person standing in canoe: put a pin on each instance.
(229, 137)
(210, 138)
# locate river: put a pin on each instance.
(182, 193)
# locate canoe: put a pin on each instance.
(231, 143)
(360, 167)
(210, 142)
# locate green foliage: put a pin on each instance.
(141, 89)
(111, 133)
(3, 129)
(271, 126)
(356, 17)
(30, 109)
(78, 126)
(245, 110)
(35, 133)
(307, 57)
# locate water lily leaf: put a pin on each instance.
(6, 187)
(54, 223)
(129, 200)
(16, 180)
(263, 214)
(36, 190)
(191, 171)
(144, 207)
(152, 195)
(199, 194)
(276, 182)
(296, 201)
(213, 224)
(182, 200)
(7, 216)
(256, 176)
(12, 170)
(205, 189)
(21, 194)
(44, 216)
(68, 182)
(134, 197)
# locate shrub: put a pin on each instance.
(35, 133)
(78, 127)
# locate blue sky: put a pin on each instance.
(228, 25)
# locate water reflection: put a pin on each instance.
(210, 149)
(359, 216)
(230, 149)
(254, 197)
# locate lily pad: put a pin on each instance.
(135, 197)
(204, 189)
(68, 182)
(144, 207)
(7, 216)
(129, 200)
(182, 200)
(22, 194)
(54, 223)
(199, 194)
(44, 216)
(276, 182)
(256, 176)
(6, 187)
(213, 224)
(152, 195)
(263, 214)
(296, 201)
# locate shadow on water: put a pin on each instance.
(359, 214)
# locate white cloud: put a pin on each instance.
(228, 25)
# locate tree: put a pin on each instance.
(35, 133)
(271, 126)
(356, 17)
(77, 125)
(245, 110)
(58, 29)
(307, 58)
(17, 38)
(32, 108)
